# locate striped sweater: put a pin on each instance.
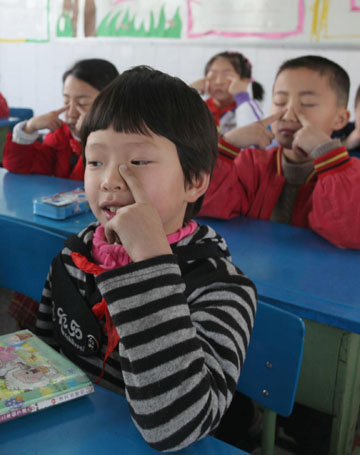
(184, 322)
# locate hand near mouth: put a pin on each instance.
(49, 121)
(138, 226)
(308, 136)
(256, 133)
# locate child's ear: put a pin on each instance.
(197, 187)
(341, 119)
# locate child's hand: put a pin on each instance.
(201, 85)
(138, 226)
(308, 136)
(50, 121)
(80, 119)
(256, 133)
(237, 85)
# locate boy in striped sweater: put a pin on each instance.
(146, 301)
(309, 180)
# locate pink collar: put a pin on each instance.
(110, 256)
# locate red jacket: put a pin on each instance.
(58, 155)
(4, 108)
(250, 183)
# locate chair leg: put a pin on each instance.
(268, 433)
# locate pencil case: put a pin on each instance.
(62, 205)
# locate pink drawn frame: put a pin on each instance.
(299, 28)
(353, 6)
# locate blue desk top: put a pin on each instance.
(16, 200)
(296, 269)
(96, 424)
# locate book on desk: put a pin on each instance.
(33, 376)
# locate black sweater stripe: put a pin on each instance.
(157, 331)
(159, 358)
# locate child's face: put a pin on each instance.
(306, 91)
(218, 81)
(154, 162)
(77, 94)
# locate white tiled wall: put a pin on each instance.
(30, 73)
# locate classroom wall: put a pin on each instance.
(30, 73)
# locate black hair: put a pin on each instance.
(143, 101)
(338, 78)
(243, 68)
(94, 71)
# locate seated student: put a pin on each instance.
(60, 152)
(162, 314)
(350, 134)
(227, 79)
(309, 180)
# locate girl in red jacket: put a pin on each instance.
(227, 79)
(60, 152)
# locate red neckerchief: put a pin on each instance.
(219, 112)
(100, 309)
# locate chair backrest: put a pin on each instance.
(26, 253)
(18, 114)
(273, 361)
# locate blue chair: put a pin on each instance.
(272, 366)
(26, 252)
(17, 114)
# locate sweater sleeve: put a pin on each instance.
(335, 212)
(180, 356)
(33, 158)
(233, 184)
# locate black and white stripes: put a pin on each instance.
(184, 322)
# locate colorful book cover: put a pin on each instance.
(34, 376)
(62, 205)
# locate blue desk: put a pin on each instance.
(18, 191)
(96, 424)
(297, 270)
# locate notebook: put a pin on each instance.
(34, 376)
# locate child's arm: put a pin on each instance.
(335, 212)
(49, 121)
(24, 154)
(247, 109)
(236, 177)
(181, 355)
(201, 85)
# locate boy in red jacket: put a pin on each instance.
(309, 180)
